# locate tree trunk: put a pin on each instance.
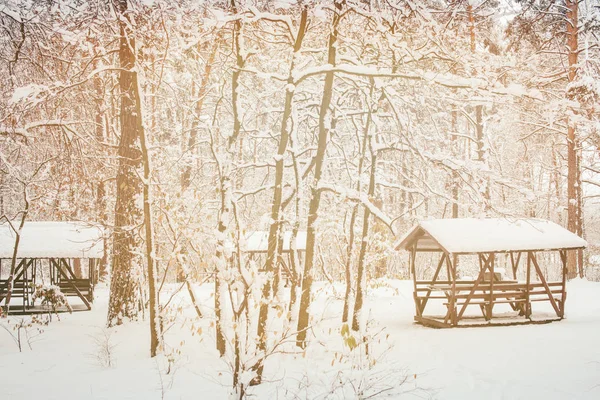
(13, 263)
(126, 270)
(150, 250)
(295, 259)
(187, 171)
(190, 148)
(348, 266)
(227, 189)
(361, 272)
(313, 208)
(274, 239)
(455, 176)
(361, 161)
(478, 109)
(573, 206)
(100, 186)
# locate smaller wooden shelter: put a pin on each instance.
(520, 239)
(257, 245)
(51, 253)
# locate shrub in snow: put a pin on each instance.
(51, 297)
(104, 346)
(25, 330)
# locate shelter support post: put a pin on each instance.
(515, 263)
(411, 261)
(71, 281)
(484, 266)
(490, 303)
(527, 289)
(563, 297)
(545, 284)
(424, 301)
(452, 306)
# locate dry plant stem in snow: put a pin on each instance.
(24, 330)
(105, 348)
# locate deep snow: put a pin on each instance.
(560, 360)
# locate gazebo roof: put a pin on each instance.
(257, 242)
(486, 235)
(51, 239)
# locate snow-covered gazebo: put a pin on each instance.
(485, 238)
(257, 244)
(51, 253)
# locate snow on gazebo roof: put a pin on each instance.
(257, 242)
(51, 239)
(472, 235)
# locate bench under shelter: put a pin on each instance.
(489, 240)
(64, 254)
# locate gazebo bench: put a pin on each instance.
(486, 294)
(70, 287)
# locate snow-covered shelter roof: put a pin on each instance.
(486, 235)
(257, 242)
(51, 239)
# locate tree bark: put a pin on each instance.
(187, 171)
(348, 266)
(313, 208)
(361, 270)
(361, 161)
(478, 109)
(13, 263)
(186, 175)
(274, 240)
(125, 286)
(227, 189)
(150, 250)
(573, 203)
(100, 186)
(455, 177)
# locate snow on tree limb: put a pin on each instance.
(362, 198)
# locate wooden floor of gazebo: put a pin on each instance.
(19, 309)
(499, 319)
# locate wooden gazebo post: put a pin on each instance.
(527, 287)
(563, 295)
(412, 255)
(452, 309)
(490, 305)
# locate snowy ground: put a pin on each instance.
(560, 360)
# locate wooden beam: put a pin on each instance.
(563, 297)
(528, 281)
(515, 263)
(79, 294)
(423, 303)
(452, 308)
(490, 305)
(411, 261)
(23, 266)
(543, 280)
(431, 322)
(475, 285)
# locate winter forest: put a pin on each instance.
(251, 166)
